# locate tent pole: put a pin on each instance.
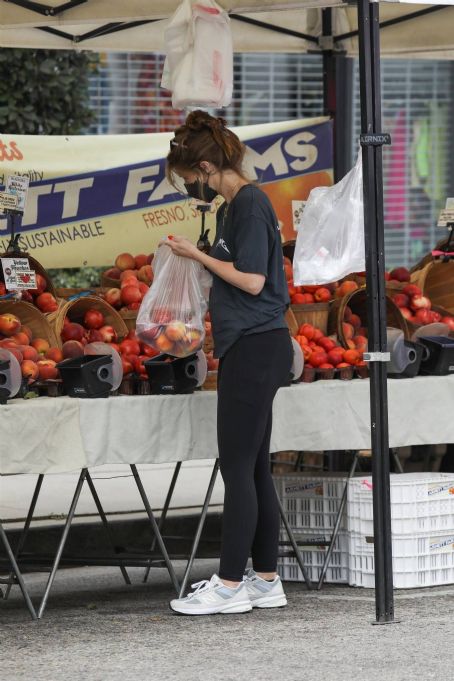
(369, 50)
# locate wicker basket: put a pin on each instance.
(130, 318)
(436, 280)
(70, 292)
(211, 381)
(30, 316)
(315, 314)
(34, 265)
(436, 308)
(291, 322)
(108, 282)
(76, 309)
(357, 302)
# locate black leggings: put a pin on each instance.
(249, 376)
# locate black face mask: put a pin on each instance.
(201, 191)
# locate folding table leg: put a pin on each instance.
(24, 532)
(17, 573)
(105, 522)
(155, 527)
(162, 519)
(198, 534)
(338, 522)
(397, 461)
(62, 543)
(296, 550)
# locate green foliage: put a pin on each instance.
(45, 92)
(84, 277)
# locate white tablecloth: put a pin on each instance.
(48, 435)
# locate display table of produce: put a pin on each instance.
(45, 435)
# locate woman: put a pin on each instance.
(248, 301)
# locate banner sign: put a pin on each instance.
(93, 197)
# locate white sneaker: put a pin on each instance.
(264, 594)
(211, 597)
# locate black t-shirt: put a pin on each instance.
(247, 234)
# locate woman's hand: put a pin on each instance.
(183, 247)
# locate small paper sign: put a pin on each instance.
(8, 202)
(17, 185)
(18, 275)
(446, 217)
(297, 212)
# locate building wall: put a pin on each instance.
(417, 111)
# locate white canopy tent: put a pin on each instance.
(257, 26)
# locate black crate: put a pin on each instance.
(440, 355)
(87, 376)
(171, 375)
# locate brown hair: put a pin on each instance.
(204, 138)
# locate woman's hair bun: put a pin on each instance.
(199, 120)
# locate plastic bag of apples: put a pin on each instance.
(172, 313)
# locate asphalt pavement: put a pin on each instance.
(96, 628)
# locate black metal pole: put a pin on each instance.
(369, 51)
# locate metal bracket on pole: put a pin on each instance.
(377, 356)
(376, 139)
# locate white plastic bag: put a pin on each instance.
(171, 317)
(330, 242)
(198, 69)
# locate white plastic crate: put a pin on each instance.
(420, 502)
(311, 501)
(425, 559)
(314, 557)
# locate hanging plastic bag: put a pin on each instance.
(198, 69)
(172, 314)
(330, 241)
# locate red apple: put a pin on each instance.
(355, 321)
(128, 367)
(17, 354)
(41, 345)
(72, 348)
(46, 303)
(93, 319)
(318, 357)
(150, 258)
(423, 316)
(412, 290)
(401, 299)
(30, 353)
(113, 297)
(30, 370)
(55, 354)
(140, 260)
(322, 295)
(420, 302)
(125, 261)
(20, 338)
(335, 356)
(130, 294)
(47, 370)
(327, 344)
(145, 274)
(41, 285)
(28, 331)
(108, 334)
(113, 273)
(400, 274)
(348, 330)
(130, 347)
(72, 331)
(94, 336)
(9, 324)
(133, 306)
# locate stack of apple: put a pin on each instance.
(39, 296)
(37, 358)
(416, 307)
(133, 354)
(324, 352)
(134, 274)
(92, 329)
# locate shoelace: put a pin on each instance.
(200, 587)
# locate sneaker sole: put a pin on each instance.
(278, 601)
(234, 609)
